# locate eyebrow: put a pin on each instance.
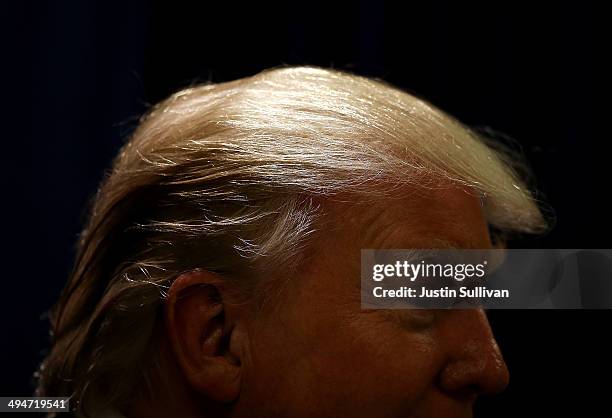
(447, 244)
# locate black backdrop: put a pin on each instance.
(79, 73)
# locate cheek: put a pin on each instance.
(368, 367)
(359, 366)
(386, 363)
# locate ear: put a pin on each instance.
(205, 343)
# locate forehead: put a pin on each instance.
(440, 217)
(410, 218)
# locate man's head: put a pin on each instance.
(219, 270)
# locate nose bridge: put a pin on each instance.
(475, 361)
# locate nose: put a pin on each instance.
(475, 364)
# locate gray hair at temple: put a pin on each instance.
(232, 178)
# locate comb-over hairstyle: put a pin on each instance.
(231, 178)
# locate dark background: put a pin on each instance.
(80, 73)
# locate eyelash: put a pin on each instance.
(414, 319)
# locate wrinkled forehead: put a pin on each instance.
(411, 217)
(415, 218)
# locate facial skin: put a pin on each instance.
(314, 352)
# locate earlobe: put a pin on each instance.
(198, 329)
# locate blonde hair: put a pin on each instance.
(226, 177)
